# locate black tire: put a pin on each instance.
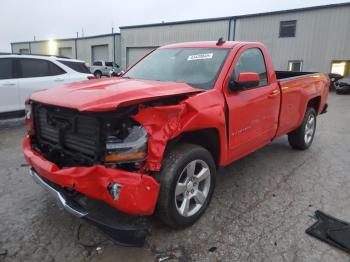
(98, 74)
(297, 139)
(172, 170)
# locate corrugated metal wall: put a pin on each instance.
(165, 34)
(321, 36)
(84, 47)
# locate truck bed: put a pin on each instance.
(296, 90)
(289, 74)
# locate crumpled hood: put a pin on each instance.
(104, 95)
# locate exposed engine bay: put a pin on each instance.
(71, 138)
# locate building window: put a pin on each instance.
(288, 28)
(341, 68)
(295, 66)
(24, 51)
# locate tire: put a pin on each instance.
(302, 137)
(98, 74)
(175, 179)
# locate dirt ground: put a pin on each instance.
(260, 210)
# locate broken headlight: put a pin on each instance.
(126, 145)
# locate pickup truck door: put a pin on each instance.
(9, 95)
(253, 112)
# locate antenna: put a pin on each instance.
(220, 41)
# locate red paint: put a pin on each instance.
(138, 195)
(248, 77)
(103, 95)
(244, 121)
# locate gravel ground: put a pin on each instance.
(260, 209)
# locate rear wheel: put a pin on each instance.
(302, 137)
(187, 182)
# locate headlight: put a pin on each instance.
(131, 148)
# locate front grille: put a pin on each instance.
(66, 131)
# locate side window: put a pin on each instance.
(6, 68)
(97, 63)
(252, 60)
(55, 70)
(109, 64)
(38, 68)
(33, 67)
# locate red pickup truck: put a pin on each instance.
(153, 138)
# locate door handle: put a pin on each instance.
(274, 93)
(9, 84)
(59, 79)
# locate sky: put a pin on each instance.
(22, 20)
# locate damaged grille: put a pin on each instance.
(67, 137)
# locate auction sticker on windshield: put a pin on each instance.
(200, 56)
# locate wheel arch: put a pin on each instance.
(314, 103)
(208, 138)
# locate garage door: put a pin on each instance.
(100, 53)
(65, 51)
(133, 54)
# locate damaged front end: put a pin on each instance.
(100, 156)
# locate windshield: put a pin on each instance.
(198, 67)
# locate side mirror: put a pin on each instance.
(244, 81)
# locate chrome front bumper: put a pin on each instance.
(69, 206)
(124, 234)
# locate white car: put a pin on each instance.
(21, 75)
(103, 68)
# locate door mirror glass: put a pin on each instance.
(244, 81)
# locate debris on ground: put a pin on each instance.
(331, 230)
(3, 252)
(99, 250)
(212, 249)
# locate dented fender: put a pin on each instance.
(164, 123)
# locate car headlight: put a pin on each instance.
(129, 147)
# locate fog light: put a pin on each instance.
(114, 190)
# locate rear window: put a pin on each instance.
(76, 66)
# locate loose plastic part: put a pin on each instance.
(164, 123)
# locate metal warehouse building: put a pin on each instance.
(92, 48)
(306, 39)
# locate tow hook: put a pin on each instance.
(114, 190)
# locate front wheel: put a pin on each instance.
(98, 74)
(187, 182)
(302, 137)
